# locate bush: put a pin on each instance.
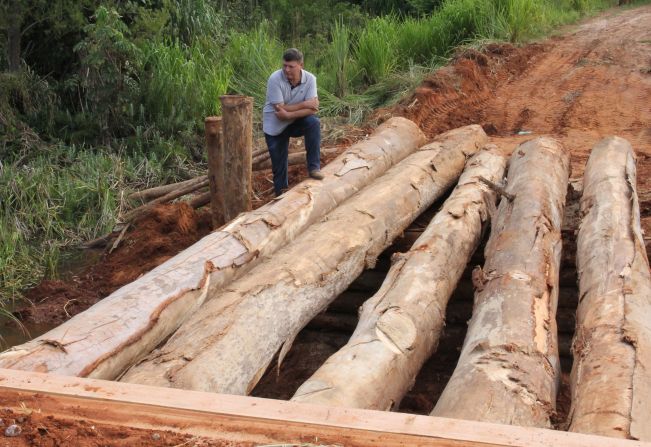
(110, 67)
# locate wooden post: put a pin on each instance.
(237, 143)
(213, 126)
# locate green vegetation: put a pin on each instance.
(99, 97)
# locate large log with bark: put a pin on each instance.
(508, 370)
(227, 346)
(611, 375)
(400, 326)
(111, 335)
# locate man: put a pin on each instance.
(290, 111)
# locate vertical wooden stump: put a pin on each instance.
(213, 126)
(237, 143)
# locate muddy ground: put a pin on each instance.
(591, 81)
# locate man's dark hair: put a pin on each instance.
(293, 54)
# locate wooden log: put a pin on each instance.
(215, 152)
(108, 337)
(191, 187)
(508, 370)
(242, 420)
(237, 137)
(294, 158)
(201, 199)
(260, 151)
(400, 326)
(611, 376)
(152, 193)
(228, 345)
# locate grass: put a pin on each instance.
(64, 196)
(57, 193)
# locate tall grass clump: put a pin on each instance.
(376, 49)
(182, 84)
(340, 59)
(65, 195)
(253, 56)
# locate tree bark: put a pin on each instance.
(200, 200)
(230, 342)
(215, 152)
(108, 337)
(401, 324)
(611, 375)
(508, 370)
(236, 147)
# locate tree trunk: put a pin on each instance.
(401, 324)
(190, 187)
(508, 370)
(228, 344)
(108, 337)
(611, 375)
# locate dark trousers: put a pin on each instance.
(278, 145)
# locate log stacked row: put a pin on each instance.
(301, 251)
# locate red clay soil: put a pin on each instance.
(38, 430)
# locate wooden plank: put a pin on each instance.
(250, 420)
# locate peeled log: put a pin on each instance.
(611, 375)
(400, 326)
(227, 346)
(114, 333)
(508, 370)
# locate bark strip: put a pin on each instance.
(401, 324)
(611, 375)
(509, 369)
(111, 335)
(229, 343)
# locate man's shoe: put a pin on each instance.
(316, 174)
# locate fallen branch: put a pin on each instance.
(200, 200)
(117, 241)
(131, 215)
(152, 193)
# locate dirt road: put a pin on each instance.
(591, 82)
